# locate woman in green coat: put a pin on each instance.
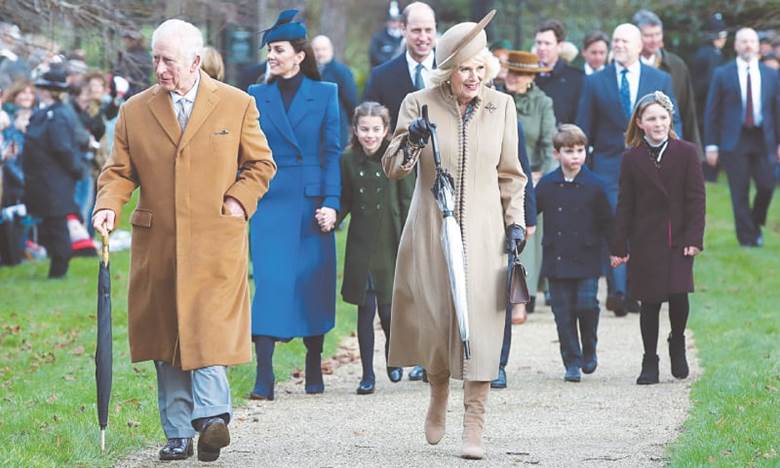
(535, 112)
(378, 208)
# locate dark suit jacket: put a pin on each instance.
(530, 194)
(600, 114)
(388, 85)
(563, 85)
(336, 72)
(683, 91)
(577, 220)
(707, 58)
(659, 212)
(724, 112)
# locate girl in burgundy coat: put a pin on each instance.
(659, 226)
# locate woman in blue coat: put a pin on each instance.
(291, 236)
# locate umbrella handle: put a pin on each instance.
(104, 249)
(434, 137)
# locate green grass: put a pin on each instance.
(47, 383)
(47, 333)
(735, 317)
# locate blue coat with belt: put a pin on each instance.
(294, 263)
(600, 115)
(725, 113)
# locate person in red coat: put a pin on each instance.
(659, 226)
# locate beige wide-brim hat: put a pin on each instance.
(462, 42)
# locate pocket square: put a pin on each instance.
(224, 131)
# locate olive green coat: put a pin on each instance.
(535, 112)
(377, 207)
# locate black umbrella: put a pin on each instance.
(451, 239)
(103, 353)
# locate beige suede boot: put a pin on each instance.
(474, 400)
(435, 420)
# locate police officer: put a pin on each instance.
(52, 164)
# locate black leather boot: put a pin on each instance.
(677, 356)
(649, 373)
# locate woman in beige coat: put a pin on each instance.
(477, 130)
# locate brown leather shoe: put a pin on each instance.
(214, 436)
(177, 449)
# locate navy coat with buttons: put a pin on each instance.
(294, 263)
(577, 221)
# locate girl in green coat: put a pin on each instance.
(378, 209)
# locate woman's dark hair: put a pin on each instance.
(309, 64)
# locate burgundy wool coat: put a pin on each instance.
(660, 211)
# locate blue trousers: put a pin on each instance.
(608, 167)
(185, 396)
(574, 303)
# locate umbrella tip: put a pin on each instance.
(102, 440)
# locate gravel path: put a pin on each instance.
(606, 420)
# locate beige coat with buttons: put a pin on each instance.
(489, 184)
(188, 299)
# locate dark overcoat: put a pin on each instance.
(52, 161)
(660, 211)
(294, 262)
(577, 220)
(378, 208)
(563, 85)
(336, 72)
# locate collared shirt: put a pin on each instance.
(189, 98)
(652, 61)
(755, 85)
(589, 70)
(427, 67)
(634, 71)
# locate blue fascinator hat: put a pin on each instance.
(284, 29)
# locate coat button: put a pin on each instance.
(361, 173)
(559, 234)
(559, 258)
(362, 189)
(299, 157)
(378, 206)
(560, 208)
(379, 189)
(378, 174)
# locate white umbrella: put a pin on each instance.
(451, 240)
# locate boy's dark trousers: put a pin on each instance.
(574, 302)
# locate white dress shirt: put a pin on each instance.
(755, 84)
(634, 71)
(589, 70)
(189, 98)
(427, 67)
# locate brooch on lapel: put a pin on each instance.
(490, 107)
(224, 131)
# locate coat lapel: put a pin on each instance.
(301, 103)
(161, 107)
(205, 102)
(645, 163)
(275, 112)
(613, 93)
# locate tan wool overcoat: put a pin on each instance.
(489, 184)
(188, 299)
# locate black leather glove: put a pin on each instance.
(419, 132)
(515, 238)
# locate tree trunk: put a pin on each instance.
(333, 23)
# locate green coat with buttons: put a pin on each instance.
(378, 209)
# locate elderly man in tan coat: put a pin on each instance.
(194, 148)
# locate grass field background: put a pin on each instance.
(47, 336)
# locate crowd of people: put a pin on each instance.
(584, 171)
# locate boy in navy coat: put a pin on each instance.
(577, 219)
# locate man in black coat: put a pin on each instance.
(564, 83)
(386, 43)
(390, 82)
(707, 59)
(334, 71)
(52, 165)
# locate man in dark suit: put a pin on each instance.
(742, 131)
(707, 59)
(605, 106)
(390, 82)
(564, 83)
(333, 71)
(655, 55)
